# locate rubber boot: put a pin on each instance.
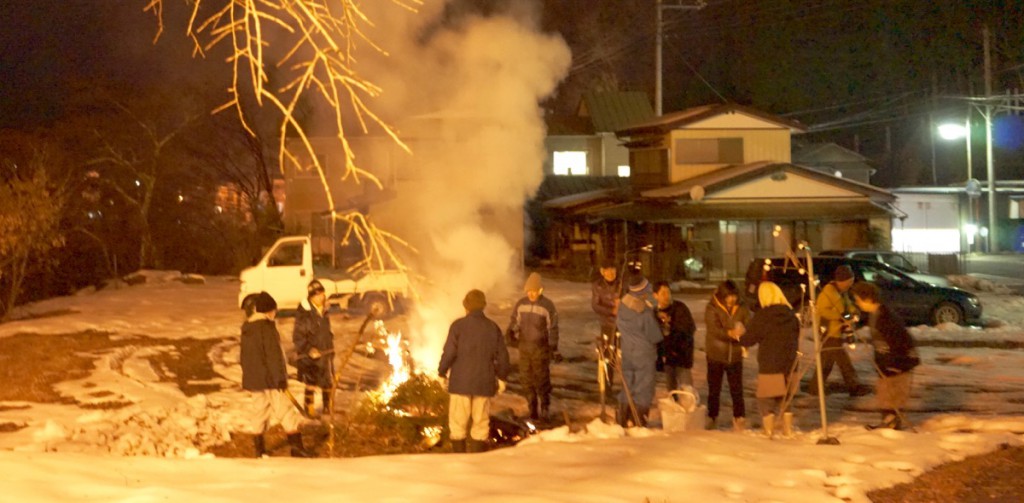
(889, 420)
(259, 447)
(622, 415)
(310, 403)
(473, 445)
(328, 404)
(643, 412)
(787, 424)
(739, 424)
(459, 445)
(543, 413)
(298, 451)
(768, 424)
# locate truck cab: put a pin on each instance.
(288, 266)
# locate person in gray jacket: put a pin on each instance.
(640, 333)
(265, 377)
(475, 363)
(533, 328)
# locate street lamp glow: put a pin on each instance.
(952, 131)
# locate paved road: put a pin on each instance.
(1005, 269)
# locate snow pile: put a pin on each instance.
(978, 284)
(183, 430)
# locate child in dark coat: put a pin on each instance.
(314, 347)
(264, 375)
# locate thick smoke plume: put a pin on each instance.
(464, 91)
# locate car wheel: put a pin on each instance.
(947, 312)
(377, 304)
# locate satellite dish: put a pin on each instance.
(696, 193)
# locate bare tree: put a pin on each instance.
(135, 155)
(312, 45)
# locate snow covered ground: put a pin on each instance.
(968, 398)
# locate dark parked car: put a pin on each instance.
(892, 259)
(915, 301)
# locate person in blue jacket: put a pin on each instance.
(640, 333)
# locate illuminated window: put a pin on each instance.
(624, 171)
(570, 163)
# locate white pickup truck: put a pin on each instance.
(286, 269)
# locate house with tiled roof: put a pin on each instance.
(715, 185)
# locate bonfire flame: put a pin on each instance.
(395, 347)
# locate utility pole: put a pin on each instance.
(660, 30)
(992, 241)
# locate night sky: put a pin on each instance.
(863, 66)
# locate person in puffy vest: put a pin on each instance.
(475, 364)
(314, 347)
(533, 328)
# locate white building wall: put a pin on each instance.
(932, 224)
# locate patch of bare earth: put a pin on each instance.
(994, 477)
(31, 364)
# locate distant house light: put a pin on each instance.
(570, 163)
(624, 171)
(936, 240)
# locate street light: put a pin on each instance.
(953, 131)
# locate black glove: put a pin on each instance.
(511, 340)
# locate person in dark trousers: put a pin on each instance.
(314, 347)
(265, 377)
(475, 363)
(895, 355)
(837, 314)
(640, 334)
(675, 351)
(533, 328)
(726, 321)
(775, 328)
(605, 292)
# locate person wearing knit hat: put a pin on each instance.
(475, 362)
(533, 328)
(314, 347)
(640, 333)
(265, 377)
(837, 313)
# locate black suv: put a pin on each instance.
(914, 301)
